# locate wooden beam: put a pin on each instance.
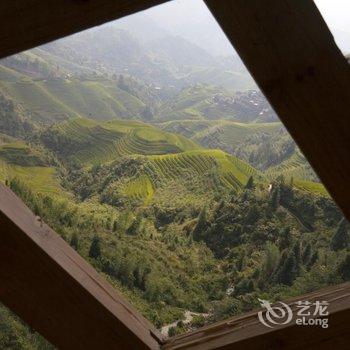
(28, 23)
(57, 292)
(248, 333)
(290, 52)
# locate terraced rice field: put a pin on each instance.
(295, 167)
(59, 99)
(230, 172)
(310, 186)
(40, 179)
(223, 134)
(139, 188)
(233, 133)
(17, 160)
(88, 142)
(168, 156)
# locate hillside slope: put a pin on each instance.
(20, 161)
(266, 146)
(49, 100)
(213, 102)
(137, 159)
(222, 134)
(87, 142)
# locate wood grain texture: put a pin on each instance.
(28, 23)
(57, 292)
(290, 52)
(246, 332)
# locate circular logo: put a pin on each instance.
(274, 315)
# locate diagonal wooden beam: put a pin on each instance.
(248, 333)
(28, 23)
(290, 52)
(57, 292)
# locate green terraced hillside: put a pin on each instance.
(232, 172)
(311, 186)
(165, 158)
(297, 169)
(190, 176)
(58, 98)
(219, 134)
(160, 158)
(194, 103)
(253, 142)
(17, 160)
(87, 142)
(61, 99)
(295, 166)
(218, 167)
(213, 102)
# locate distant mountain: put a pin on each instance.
(45, 92)
(189, 19)
(141, 26)
(120, 71)
(163, 60)
(175, 50)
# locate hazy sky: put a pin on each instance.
(186, 17)
(336, 13)
(192, 20)
(180, 13)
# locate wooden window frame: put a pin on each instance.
(291, 53)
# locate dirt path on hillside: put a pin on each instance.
(188, 319)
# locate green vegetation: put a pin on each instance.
(266, 146)
(190, 198)
(16, 335)
(176, 231)
(192, 175)
(57, 99)
(227, 135)
(86, 142)
(193, 103)
(13, 121)
(18, 160)
(295, 166)
(208, 102)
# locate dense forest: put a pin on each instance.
(170, 173)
